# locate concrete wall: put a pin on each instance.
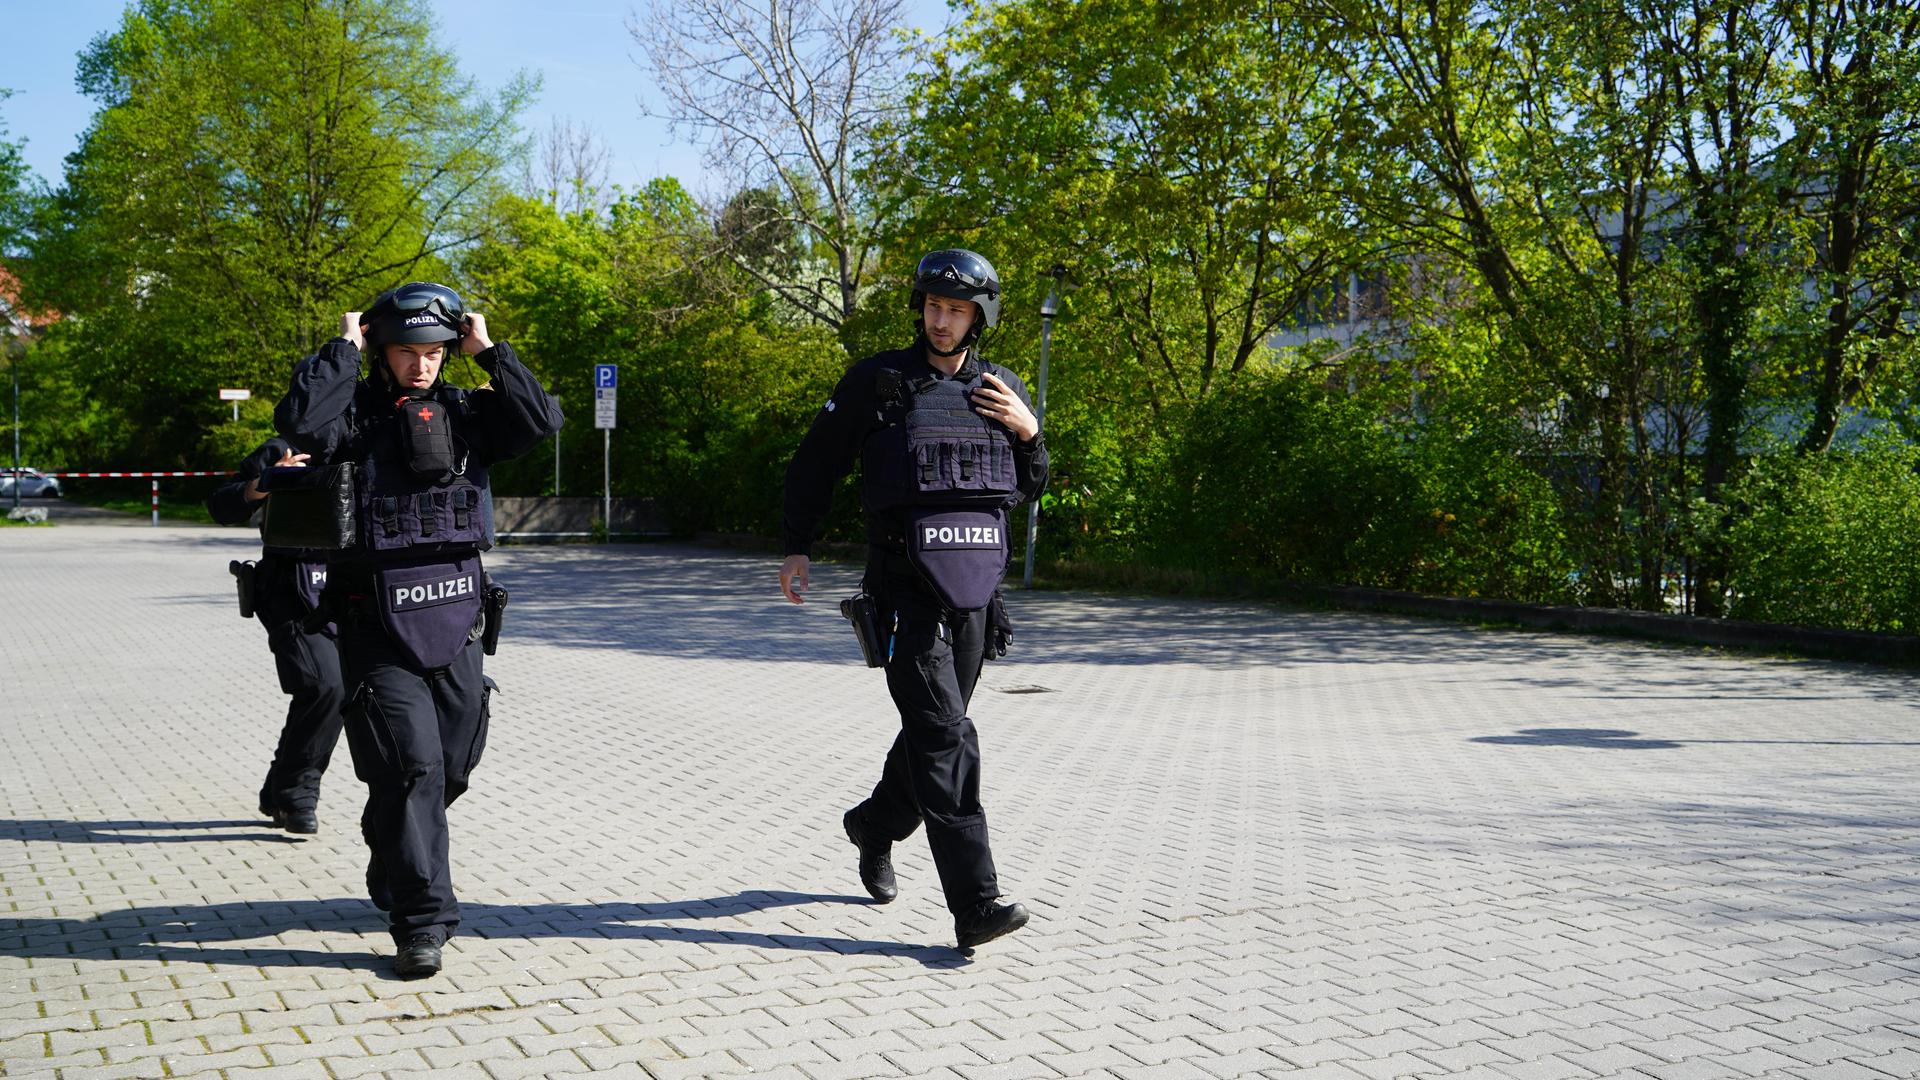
(530, 515)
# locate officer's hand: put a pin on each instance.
(352, 330)
(793, 577)
(289, 460)
(996, 401)
(473, 335)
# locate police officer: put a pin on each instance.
(283, 588)
(409, 593)
(948, 445)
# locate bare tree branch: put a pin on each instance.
(788, 96)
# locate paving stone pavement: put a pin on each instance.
(1257, 842)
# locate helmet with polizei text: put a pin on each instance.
(417, 313)
(961, 275)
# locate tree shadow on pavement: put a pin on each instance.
(675, 601)
(141, 832)
(1617, 739)
(1591, 738)
(198, 933)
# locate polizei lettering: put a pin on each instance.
(960, 535)
(422, 320)
(317, 578)
(434, 592)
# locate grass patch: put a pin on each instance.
(195, 512)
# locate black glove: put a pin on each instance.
(999, 628)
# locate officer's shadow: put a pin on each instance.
(132, 831)
(200, 933)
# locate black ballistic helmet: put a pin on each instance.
(416, 313)
(961, 275)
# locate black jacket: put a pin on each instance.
(329, 409)
(228, 504)
(276, 597)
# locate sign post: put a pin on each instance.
(235, 396)
(606, 382)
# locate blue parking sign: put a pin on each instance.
(606, 376)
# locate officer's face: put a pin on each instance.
(415, 367)
(948, 320)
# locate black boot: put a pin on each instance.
(987, 920)
(418, 958)
(876, 860)
(297, 821)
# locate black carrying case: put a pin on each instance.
(310, 508)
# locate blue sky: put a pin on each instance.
(581, 47)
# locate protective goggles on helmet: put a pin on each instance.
(417, 313)
(960, 275)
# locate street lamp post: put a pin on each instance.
(13, 363)
(1048, 309)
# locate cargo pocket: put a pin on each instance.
(292, 658)
(920, 675)
(486, 718)
(460, 766)
(376, 755)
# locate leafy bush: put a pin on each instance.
(1829, 539)
(1277, 475)
(1493, 523)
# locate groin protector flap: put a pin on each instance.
(961, 553)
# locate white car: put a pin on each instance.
(33, 483)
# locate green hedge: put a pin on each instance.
(1829, 539)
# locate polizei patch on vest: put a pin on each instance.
(935, 537)
(432, 593)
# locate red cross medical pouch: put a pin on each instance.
(426, 438)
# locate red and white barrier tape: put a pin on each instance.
(150, 475)
(223, 472)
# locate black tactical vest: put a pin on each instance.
(935, 451)
(404, 514)
(939, 477)
(422, 533)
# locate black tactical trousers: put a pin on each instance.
(416, 736)
(932, 773)
(309, 667)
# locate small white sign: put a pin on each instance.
(235, 395)
(603, 406)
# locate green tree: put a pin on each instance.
(255, 167)
(1173, 156)
(715, 387)
(17, 189)
(1853, 107)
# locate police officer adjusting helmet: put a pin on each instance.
(961, 275)
(417, 313)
